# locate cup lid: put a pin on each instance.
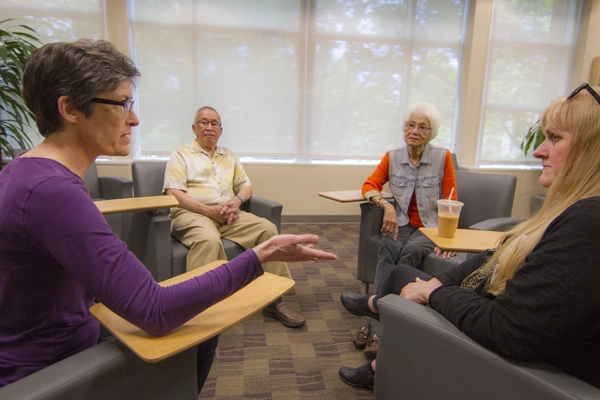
(450, 202)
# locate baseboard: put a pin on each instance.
(319, 219)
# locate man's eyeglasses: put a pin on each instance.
(205, 124)
(420, 128)
(586, 87)
(126, 105)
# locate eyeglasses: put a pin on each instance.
(586, 87)
(126, 105)
(205, 124)
(420, 128)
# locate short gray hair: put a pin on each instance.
(79, 70)
(206, 108)
(428, 111)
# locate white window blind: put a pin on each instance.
(530, 62)
(295, 79)
(58, 21)
(67, 20)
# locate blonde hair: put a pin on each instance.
(578, 179)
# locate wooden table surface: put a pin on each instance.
(465, 240)
(348, 196)
(136, 204)
(212, 321)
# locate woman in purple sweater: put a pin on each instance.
(57, 253)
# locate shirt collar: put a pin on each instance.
(195, 148)
(425, 157)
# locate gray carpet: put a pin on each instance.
(262, 359)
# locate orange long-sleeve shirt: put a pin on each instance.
(381, 176)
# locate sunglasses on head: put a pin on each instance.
(585, 86)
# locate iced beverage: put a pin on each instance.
(448, 213)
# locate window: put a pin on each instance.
(67, 20)
(63, 21)
(330, 80)
(295, 79)
(530, 61)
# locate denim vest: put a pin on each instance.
(425, 180)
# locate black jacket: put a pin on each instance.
(550, 309)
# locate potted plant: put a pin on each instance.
(533, 138)
(17, 42)
(531, 141)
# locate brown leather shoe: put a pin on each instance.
(361, 338)
(286, 315)
(372, 347)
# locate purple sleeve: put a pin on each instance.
(61, 218)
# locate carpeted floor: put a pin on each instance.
(262, 359)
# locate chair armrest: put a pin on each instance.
(114, 187)
(424, 356)
(371, 219)
(265, 208)
(109, 370)
(501, 224)
(150, 240)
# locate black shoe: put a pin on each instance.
(358, 304)
(358, 377)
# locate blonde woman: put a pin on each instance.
(536, 297)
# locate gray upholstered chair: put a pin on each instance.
(109, 370)
(150, 238)
(424, 356)
(488, 200)
(106, 188)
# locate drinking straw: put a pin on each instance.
(451, 193)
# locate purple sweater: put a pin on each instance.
(58, 254)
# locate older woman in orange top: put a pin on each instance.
(418, 174)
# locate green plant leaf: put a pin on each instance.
(533, 138)
(17, 42)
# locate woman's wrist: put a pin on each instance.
(381, 202)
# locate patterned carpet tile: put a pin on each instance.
(262, 359)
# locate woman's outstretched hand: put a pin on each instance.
(291, 248)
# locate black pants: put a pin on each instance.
(204, 359)
(204, 356)
(401, 276)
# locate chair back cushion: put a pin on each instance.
(92, 183)
(148, 177)
(485, 196)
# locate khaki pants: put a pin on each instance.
(203, 236)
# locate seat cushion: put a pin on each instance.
(178, 257)
(179, 254)
(433, 265)
(232, 249)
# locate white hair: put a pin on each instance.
(428, 111)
